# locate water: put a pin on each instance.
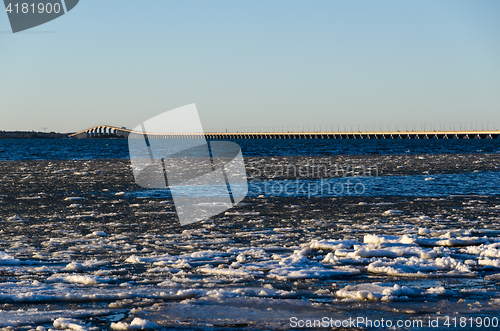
(410, 185)
(86, 149)
(322, 147)
(76, 245)
(478, 183)
(62, 149)
(83, 244)
(482, 183)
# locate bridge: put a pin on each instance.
(359, 135)
(105, 131)
(102, 131)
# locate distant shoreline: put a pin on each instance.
(46, 135)
(31, 134)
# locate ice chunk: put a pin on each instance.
(377, 292)
(80, 266)
(69, 324)
(418, 267)
(392, 212)
(8, 259)
(80, 279)
(137, 324)
(293, 273)
(99, 234)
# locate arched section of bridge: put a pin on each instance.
(102, 131)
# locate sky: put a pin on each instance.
(254, 65)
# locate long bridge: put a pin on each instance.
(105, 131)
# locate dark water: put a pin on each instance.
(62, 149)
(85, 149)
(477, 183)
(442, 185)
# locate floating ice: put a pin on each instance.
(294, 273)
(6, 259)
(80, 266)
(392, 212)
(71, 324)
(235, 213)
(137, 324)
(99, 234)
(377, 292)
(81, 279)
(418, 267)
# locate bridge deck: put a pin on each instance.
(103, 131)
(352, 135)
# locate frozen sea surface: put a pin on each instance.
(82, 249)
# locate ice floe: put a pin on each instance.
(136, 324)
(377, 292)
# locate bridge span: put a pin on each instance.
(359, 135)
(102, 131)
(105, 131)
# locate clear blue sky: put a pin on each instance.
(254, 63)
